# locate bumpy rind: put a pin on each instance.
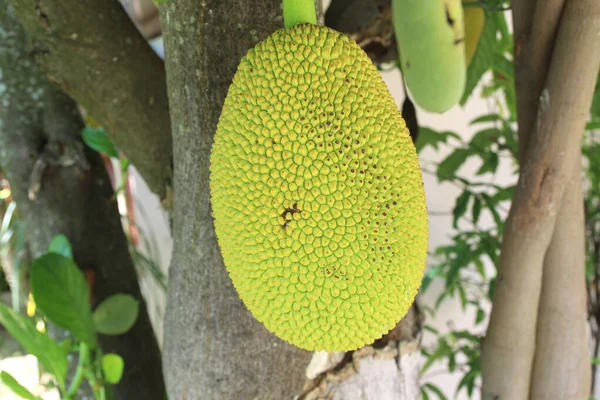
(317, 193)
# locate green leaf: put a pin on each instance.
(490, 163)
(429, 276)
(430, 329)
(595, 361)
(16, 387)
(460, 207)
(442, 350)
(492, 288)
(447, 168)
(482, 59)
(429, 137)
(48, 352)
(112, 367)
(60, 245)
(476, 209)
(116, 315)
(491, 206)
(480, 316)
(61, 293)
(97, 139)
(424, 395)
(434, 389)
(486, 118)
(467, 381)
(503, 194)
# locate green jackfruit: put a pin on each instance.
(430, 37)
(317, 193)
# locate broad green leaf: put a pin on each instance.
(434, 389)
(61, 293)
(16, 387)
(480, 316)
(452, 362)
(447, 168)
(460, 207)
(595, 361)
(116, 315)
(112, 367)
(60, 245)
(476, 209)
(47, 351)
(97, 139)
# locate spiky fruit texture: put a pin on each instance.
(316, 192)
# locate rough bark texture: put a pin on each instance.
(387, 369)
(562, 368)
(92, 50)
(213, 347)
(38, 122)
(550, 158)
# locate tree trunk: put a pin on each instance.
(41, 125)
(92, 50)
(213, 346)
(550, 159)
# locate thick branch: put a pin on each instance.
(562, 368)
(536, 24)
(213, 347)
(74, 200)
(508, 349)
(96, 55)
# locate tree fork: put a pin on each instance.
(508, 350)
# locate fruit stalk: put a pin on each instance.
(299, 11)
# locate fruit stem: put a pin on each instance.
(299, 11)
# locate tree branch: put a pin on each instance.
(92, 50)
(74, 200)
(508, 349)
(562, 367)
(213, 347)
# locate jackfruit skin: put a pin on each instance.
(316, 191)
(431, 43)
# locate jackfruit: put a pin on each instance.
(316, 192)
(474, 18)
(430, 37)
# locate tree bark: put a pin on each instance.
(39, 123)
(387, 369)
(92, 50)
(213, 347)
(550, 159)
(562, 367)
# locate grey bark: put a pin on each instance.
(37, 121)
(213, 347)
(92, 50)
